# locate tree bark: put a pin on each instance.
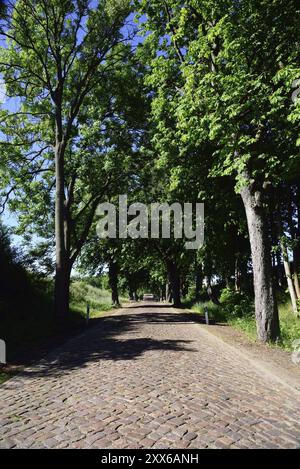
(279, 269)
(198, 281)
(168, 292)
(63, 267)
(296, 250)
(131, 294)
(289, 277)
(266, 311)
(213, 298)
(286, 262)
(174, 279)
(62, 291)
(296, 280)
(237, 275)
(113, 282)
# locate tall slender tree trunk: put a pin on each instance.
(286, 262)
(63, 267)
(163, 293)
(296, 278)
(296, 250)
(237, 274)
(174, 278)
(289, 277)
(210, 291)
(199, 281)
(279, 269)
(275, 255)
(131, 294)
(62, 292)
(266, 311)
(113, 282)
(287, 268)
(130, 287)
(168, 292)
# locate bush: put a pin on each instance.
(237, 309)
(78, 292)
(236, 304)
(94, 282)
(289, 325)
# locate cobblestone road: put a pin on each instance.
(147, 377)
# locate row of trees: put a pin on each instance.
(200, 110)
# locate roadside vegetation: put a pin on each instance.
(28, 321)
(237, 310)
(27, 315)
(30, 318)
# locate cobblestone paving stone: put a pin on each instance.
(147, 377)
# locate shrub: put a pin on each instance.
(236, 304)
(94, 282)
(78, 292)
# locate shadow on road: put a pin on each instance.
(108, 338)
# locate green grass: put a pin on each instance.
(214, 311)
(98, 299)
(4, 377)
(289, 323)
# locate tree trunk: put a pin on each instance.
(266, 312)
(63, 269)
(296, 280)
(237, 275)
(199, 282)
(296, 251)
(275, 255)
(168, 292)
(285, 256)
(184, 289)
(62, 291)
(113, 282)
(174, 283)
(279, 269)
(289, 277)
(131, 294)
(210, 291)
(130, 284)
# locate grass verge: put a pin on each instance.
(289, 323)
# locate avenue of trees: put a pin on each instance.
(165, 101)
